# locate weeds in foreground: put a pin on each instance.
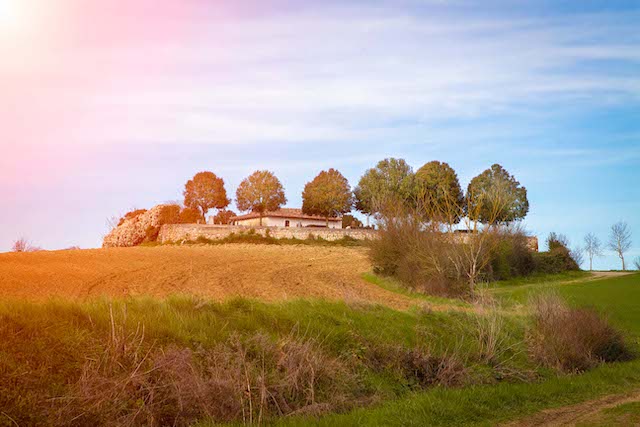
(573, 339)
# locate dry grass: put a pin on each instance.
(246, 378)
(573, 339)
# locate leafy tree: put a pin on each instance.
(438, 193)
(391, 178)
(620, 240)
(224, 217)
(205, 191)
(497, 197)
(260, 192)
(351, 221)
(328, 195)
(593, 248)
(190, 216)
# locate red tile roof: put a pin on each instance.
(284, 213)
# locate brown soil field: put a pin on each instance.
(265, 272)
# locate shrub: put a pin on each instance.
(189, 216)
(511, 256)
(224, 217)
(572, 339)
(418, 367)
(558, 259)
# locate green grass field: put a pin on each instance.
(490, 405)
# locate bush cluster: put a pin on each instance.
(557, 259)
(573, 339)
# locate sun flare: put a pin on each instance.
(13, 16)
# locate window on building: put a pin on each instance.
(287, 223)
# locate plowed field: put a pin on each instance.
(266, 272)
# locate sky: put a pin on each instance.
(111, 105)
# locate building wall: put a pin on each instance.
(293, 222)
(180, 232)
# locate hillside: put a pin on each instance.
(265, 272)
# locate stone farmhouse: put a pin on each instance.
(285, 217)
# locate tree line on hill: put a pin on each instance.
(329, 194)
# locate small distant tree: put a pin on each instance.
(620, 240)
(390, 179)
(224, 217)
(20, 245)
(23, 245)
(205, 191)
(351, 221)
(637, 263)
(497, 196)
(260, 192)
(439, 192)
(593, 248)
(328, 195)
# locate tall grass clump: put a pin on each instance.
(572, 339)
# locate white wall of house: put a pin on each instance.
(293, 222)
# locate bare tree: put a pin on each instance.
(23, 245)
(577, 254)
(20, 245)
(620, 240)
(637, 263)
(593, 248)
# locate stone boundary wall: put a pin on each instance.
(179, 232)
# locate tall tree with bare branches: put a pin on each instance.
(593, 248)
(620, 240)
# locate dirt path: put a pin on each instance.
(266, 272)
(607, 274)
(575, 414)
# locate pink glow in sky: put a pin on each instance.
(107, 105)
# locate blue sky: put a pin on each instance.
(129, 101)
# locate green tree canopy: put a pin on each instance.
(260, 192)
(495, 196)
(328, 195)
(205, 191)
(390, 179)
(438, 193)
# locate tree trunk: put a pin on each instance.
(327, 222)
(590, 263)
(260, 219)
(624, 267)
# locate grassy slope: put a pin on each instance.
(46, 345)
(488, 405)
(51, 342)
